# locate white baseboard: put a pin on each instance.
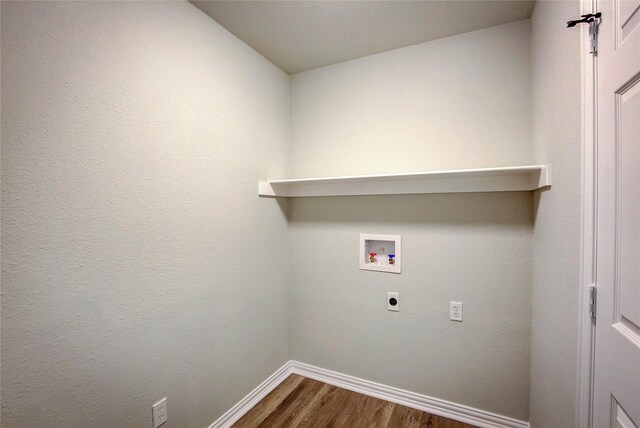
(232, 415)
(436, 406)
(447, 409)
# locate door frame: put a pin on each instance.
(588, 223)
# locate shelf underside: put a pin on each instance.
(503, 179)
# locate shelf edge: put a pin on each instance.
(504, 179)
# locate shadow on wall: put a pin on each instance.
(456, 209)
(537, 200)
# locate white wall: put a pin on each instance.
(137, 261)
(458, 102)
(556, 250)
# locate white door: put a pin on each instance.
(617, 357)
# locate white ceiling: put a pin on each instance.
(301, 35)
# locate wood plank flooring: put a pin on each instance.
(303, 402)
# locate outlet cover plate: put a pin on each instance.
(160, 415)
(455, 311)
(393, 295)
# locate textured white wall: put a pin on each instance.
(457, 102)
(137, 261)
(556, 138)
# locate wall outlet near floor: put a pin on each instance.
(455, 311)
(160, 415)
(393, 301)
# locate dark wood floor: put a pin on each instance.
(302, 402)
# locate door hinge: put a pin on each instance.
(593, 19)
(593, 300)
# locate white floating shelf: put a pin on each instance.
(504, 179)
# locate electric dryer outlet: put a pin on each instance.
(393, 301)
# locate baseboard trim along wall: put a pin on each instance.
(232, 415)
(448, 409)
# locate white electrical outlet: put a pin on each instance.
(160, 415)
(455, 311)
(393, 302)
